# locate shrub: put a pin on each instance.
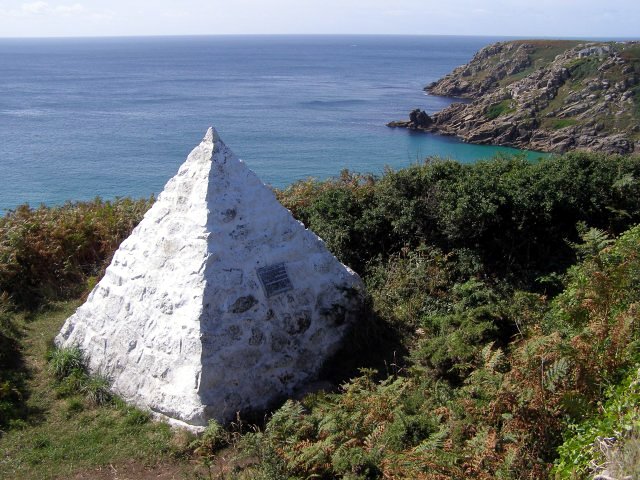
(463, 265)
(513, 217)
(615, 427)
(516, 389)
(12, 389)
(49, 253)
(212, 439)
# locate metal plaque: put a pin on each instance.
(274, 279)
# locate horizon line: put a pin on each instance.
(200, 35)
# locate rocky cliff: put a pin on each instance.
(550, 96)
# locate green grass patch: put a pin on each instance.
(72, 424)
(498, 109)
(558, 123)
(558, 102)
(636, 101)
(583, 68)
(509, 79)
(75, 438)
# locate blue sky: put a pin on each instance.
(550, 18)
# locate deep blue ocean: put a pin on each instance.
(81, 118)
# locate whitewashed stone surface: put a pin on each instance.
(183, 325)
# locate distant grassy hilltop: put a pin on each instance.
(548, 95)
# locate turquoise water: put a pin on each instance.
(116, 117)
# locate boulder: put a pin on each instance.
(419, 118)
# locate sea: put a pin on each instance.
(115, 117)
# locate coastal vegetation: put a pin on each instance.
(501, 338)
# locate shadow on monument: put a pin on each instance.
(276, 303)
(372, 343)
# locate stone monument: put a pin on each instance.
(218, 302)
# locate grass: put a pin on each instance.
(494, 111)
(65, 362)
(547, 50)
(65, 434)
(636, 100)
(508, 80)
(631, 53)
(558, 123)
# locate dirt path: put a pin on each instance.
(136, 471)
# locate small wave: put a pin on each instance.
(332, 103)
(24, 112)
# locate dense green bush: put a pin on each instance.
(514, 217)
(11, 374)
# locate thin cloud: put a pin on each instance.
(41, 8)
(69, 9)
(35, 8)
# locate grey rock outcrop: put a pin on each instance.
(418, 119)
(550, 96)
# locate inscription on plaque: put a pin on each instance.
(274, 279)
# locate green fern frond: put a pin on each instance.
(556, 373)
(435, 441)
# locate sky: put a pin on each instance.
(524, 18)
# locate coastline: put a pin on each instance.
(548, 96)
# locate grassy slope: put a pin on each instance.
(63, 436)
(582, 72)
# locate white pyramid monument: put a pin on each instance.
(219, 301)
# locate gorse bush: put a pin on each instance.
(515, 218)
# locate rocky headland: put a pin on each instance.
(550, 96)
